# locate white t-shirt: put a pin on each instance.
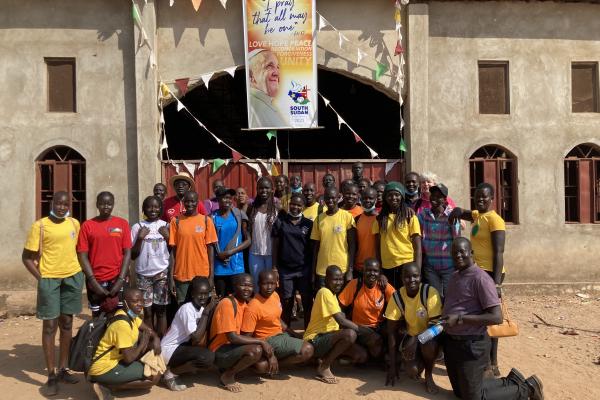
(154, 253)
(261, 239)
(183, 325)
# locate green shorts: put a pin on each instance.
(56, 296)
(121, 374)
(285, 345)
(227, 355)
(363, 337)
(322, 344)
(182, 290)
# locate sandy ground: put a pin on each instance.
(565, 363)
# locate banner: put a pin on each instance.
(281, 63)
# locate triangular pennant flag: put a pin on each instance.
(164, 90)
(357, 138)
(397, 15)
(404, 2)
(256, 167)
(380, 69)
(162, 117)
(203, 163)
(216, 164)
(164, 144)
(231, 71)
(373, 153)
(342, 39)
(180, 106)
(389, 165)
(235, 156)
(322, 22)
(196, 4)
(171, 2)
(135, 12)
(401, 122)
(398, 50)
(274, 170)
(227, 161)
(326, 101)
(206, 78)
(361, 55)
(190, 167)
(402, 145)
(224, 3)
(277, 155)
(177, 169)
(182, 84)
(399, 28)
(265, 166)
(271, 134)
(340, 121)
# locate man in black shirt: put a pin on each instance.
(292, 258)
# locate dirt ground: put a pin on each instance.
(564, 362)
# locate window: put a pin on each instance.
(60, 168)
(582, 184)
(497, 167)
(61, 84)
(493, 87)
(584, 87)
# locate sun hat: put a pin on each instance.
(182, 176)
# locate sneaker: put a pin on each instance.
(52, 385)
(173, 385)
(65, 375)
(102, 392)
(515, 376)
(536, 389)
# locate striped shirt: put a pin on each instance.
(437, 238)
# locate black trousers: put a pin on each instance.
(201, 356)
(466, 358)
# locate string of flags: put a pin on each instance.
(195, 3)
(143, 40)
(399, 51)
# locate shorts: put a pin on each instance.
(154, 288)
(289, 282)
(120, 374)
(363, 337)
(285, 345)
(322, 344)
(182, 290)
(184, 353)
(107, 304)
(56, 296)
(228, 355)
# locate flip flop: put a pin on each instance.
(232, 387)
(329, 380)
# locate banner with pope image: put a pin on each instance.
(281, 63)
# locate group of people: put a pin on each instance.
(370, 266)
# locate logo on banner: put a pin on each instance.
(299, 93)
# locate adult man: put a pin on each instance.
(327, 181)
(235, 352)
(417, 306)
(282, 191)
(292, 258)
(191, 237)
(160, 191)
(334, 236)
(411, 184)
(311, 207)
(350, 200)
(471, 304)
(117, 364)
(104, 250)
(173, 206)
(324, 333)
(365, 301)
(264, 87)
(380, 187)
(366, 240)
(181, 346)
(262, 320)
(357, 172)
(211, 205)
(49, 255)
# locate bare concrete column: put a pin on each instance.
(145, 138)
(417, 115)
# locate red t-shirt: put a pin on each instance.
(173, 207)
(104, 242)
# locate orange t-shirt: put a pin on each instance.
(191, 239)
(367, 309)
(263, 316)
(224, 322)
(366, 240)
(354, 211)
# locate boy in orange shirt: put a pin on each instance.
(234, 352)
(191, 237)
(262, 320)
(367, 301)
(366, 243)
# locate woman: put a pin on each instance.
(426, 181)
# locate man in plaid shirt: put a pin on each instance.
(438, 235)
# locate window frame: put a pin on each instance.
(49, 61)
(488, 64)
(587, 196)
(595, 88)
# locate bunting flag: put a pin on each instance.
(182, 84)
(402, 144)
(196, 4)
(216, 164)
(180, 105)
(277, 154)
(135, 11)
(235, 156)
(389, 165)
(357, 138)
(380, 69)
(271, 134)
(323, 22)
(326, 101)
(231, 71)
(190, 167)
(398, 50)
(340, 121)
(164, 91)
(224, 3)
(361, 54)
(164, 145)
(342, 39)
(256, 167)
(206, 78)
(373, 153)
(171, 2)
(203, 163)
(177, 169)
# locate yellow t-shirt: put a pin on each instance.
(481, 237)
(331, 231)
(321, 317)
(311, 212)
(395, 243)
(119, 334)
(417, 316)
(59, 257)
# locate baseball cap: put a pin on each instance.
(441, 188)
(222, 191)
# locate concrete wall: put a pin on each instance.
(99, 34)
(539, 40)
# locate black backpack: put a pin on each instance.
(84, 344)
(424, 293)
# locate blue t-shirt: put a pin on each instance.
(226, 228)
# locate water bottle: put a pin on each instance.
(430, 333)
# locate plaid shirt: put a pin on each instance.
(437, 238)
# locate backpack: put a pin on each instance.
(359, 284)
(424, 293)
(210, 337)
(84, 344)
